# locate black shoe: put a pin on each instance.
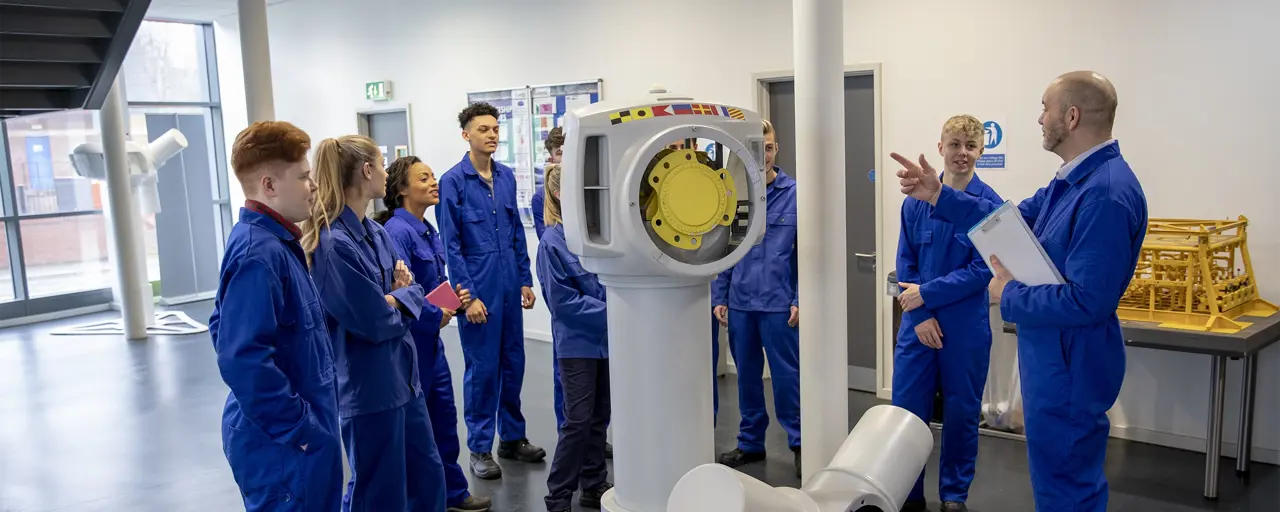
(484, 467)
(738, 457)
(590, 498)
(954, 506)
(915, 506)
(797, 452)
(521, 450)
(473, 504)
(608, 450)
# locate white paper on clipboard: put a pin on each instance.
(1005, 234)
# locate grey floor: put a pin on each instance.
(99, 424)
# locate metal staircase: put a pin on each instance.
(62, 54)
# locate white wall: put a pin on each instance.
(1197, 120)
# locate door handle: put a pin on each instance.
(866, 261)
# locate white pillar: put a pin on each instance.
(256, 54)
(820, 176)
(126, 224)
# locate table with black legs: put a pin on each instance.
(1245, 346)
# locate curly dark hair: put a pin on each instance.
(397, 181)
(555, 139)
(475, 110)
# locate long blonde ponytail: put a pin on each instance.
(336, 164)
(551, 189)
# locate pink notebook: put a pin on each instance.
(444, 297)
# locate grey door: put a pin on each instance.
(389, 130)
(186, 228)
(860, 197)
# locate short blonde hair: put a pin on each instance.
(768, 127)
(965, 125)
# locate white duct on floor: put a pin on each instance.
(874, 470)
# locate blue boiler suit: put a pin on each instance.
(538, 202)
(760, 291)
(1091, 220)
(485, 247)
(386, 429)
(418, 244)
(579, 330)
(953, 281)
(280, 421)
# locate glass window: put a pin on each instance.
(44, 180)
(167, 64)
(6, 274)
(66, 254)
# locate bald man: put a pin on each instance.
(1091, 220)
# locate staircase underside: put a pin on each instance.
(63, 54)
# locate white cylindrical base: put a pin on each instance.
(126, 224)
(660, 378)
(256, 55)
(823, 265)
(877, 465)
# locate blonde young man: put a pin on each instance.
(945, 339)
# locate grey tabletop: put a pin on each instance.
(1249, 341)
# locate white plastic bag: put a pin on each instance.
(1002, 397)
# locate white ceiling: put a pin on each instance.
(195, 10)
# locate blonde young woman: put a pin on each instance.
(579, 331)
(370, 300)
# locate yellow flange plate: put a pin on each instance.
(692, 199)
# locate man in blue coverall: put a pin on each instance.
(1091, 220)
(944, 283)
(485, 246)
(280, 429)
(758, 299)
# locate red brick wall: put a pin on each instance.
(58, 240)
(64, 240)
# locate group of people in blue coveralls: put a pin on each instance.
(1091, 220)
(326, 338)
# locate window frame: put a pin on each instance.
(23, 306)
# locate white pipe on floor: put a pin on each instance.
(820, 178)
(874, 469)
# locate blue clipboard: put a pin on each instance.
(1004, 233)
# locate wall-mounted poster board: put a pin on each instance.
(527, 116)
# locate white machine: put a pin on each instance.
(657, 222)
(873, 471)
(89, 162)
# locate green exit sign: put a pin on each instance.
(377, 91)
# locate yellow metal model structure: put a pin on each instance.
(1195, 274)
